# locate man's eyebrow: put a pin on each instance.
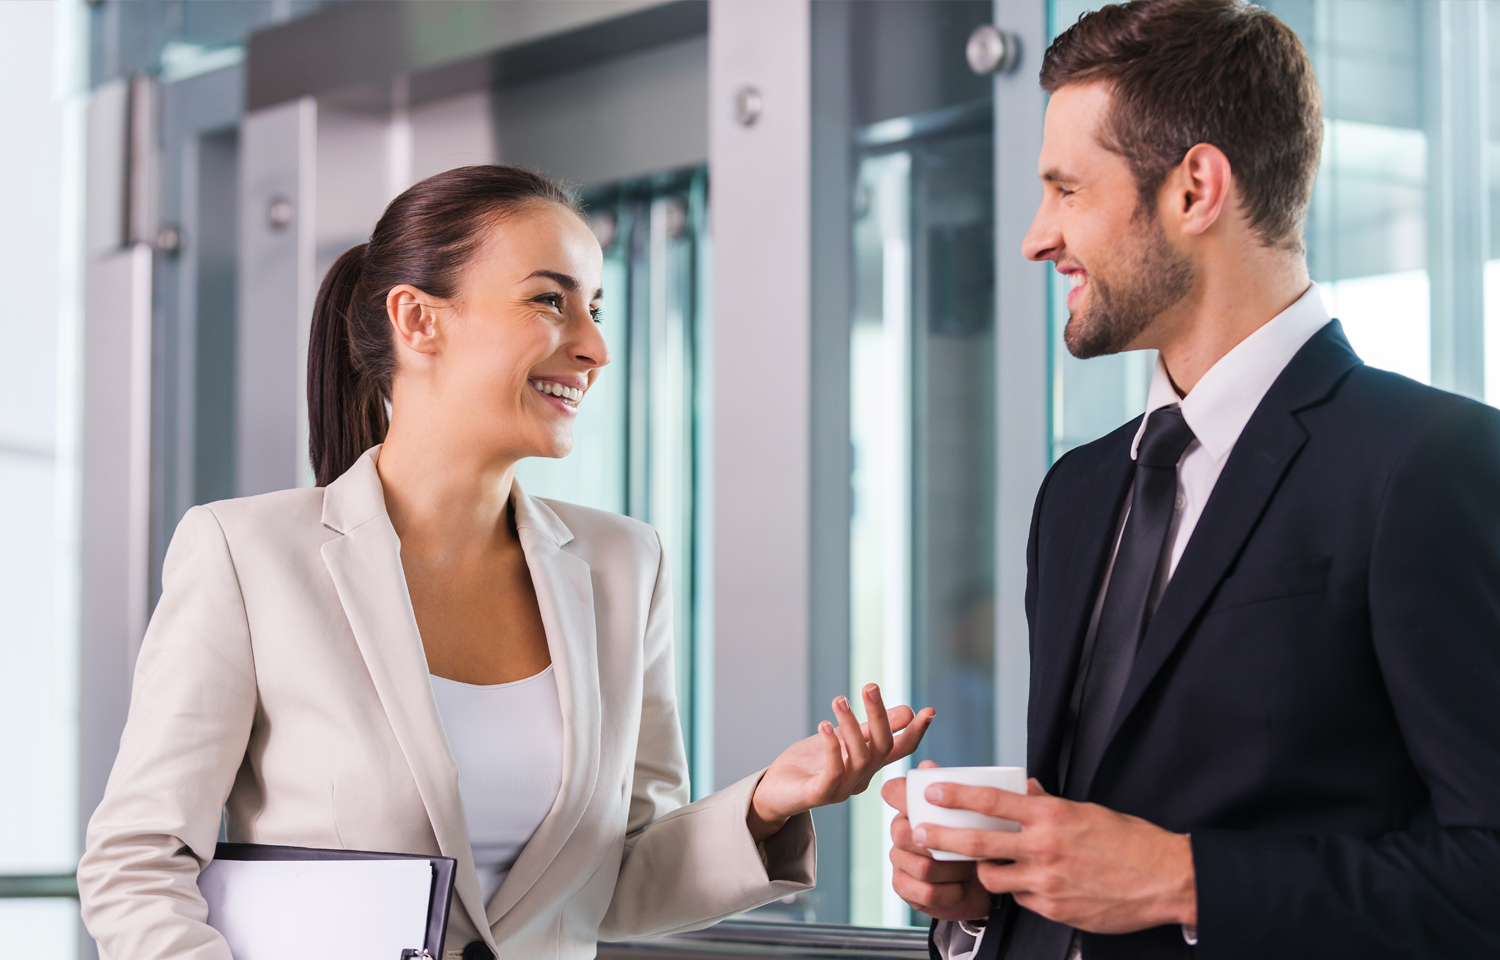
(1058, 177)
(566, 281)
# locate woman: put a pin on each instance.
(415, 656)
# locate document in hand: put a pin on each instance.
(272, 902)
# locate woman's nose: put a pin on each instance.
(591, 350)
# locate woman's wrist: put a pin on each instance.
(762, 823)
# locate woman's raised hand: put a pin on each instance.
(836, 762)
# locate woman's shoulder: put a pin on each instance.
(281, 515)
(593, 529)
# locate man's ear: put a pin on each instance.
(1199, 189)
(416, 318)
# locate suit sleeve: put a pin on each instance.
(192, 705)
(688, 865)
(1434, 588)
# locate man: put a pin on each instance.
(1265, 618)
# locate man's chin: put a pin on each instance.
(1085, 342)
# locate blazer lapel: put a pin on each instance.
(1267, 447)
(1063, 615)
(564, 593)
(365, 564)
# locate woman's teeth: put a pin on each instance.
(568, 395)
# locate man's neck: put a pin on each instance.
(1227, 306)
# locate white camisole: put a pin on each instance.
(507, 740)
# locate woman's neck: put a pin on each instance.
(442, 494)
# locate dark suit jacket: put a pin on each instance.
(1317, 700)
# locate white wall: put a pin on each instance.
(761, 381)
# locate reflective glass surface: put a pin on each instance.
(38, 700)
(921, 404)
(641, 426)
(40, 929)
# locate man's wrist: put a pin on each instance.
(1184, 896)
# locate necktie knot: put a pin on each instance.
(1167, 436)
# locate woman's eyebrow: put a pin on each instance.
(566, 281)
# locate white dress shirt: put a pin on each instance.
(507, 742)
(1216, 410)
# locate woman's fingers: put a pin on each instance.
(854, 744)
(879, 726)
(826, 784)
(911, 737)
(879, 738)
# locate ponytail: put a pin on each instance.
(425, 238)
(345, 407)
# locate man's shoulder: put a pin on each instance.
(1084, 461)
(1375, 407)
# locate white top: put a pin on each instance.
(507, 740)
(1216, 410)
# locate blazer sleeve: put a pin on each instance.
(1434, 588)
(192, 705)
(688, 865)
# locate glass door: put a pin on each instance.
(922, 427)
(639, 433)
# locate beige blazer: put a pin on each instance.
(282, 680)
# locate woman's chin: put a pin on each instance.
(553, 448)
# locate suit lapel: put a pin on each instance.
(1265, 450)
(365, 564)
(1073, 574)
(564, 592)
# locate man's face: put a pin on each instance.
(1122, 267)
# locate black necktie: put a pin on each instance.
(1106, 662)
(1127, 610)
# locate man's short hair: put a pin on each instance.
(1221, 72)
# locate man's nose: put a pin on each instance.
(1043, 240)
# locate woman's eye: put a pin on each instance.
(552, 300)
(597, 313)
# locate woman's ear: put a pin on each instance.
(416, 319)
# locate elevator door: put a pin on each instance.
(640, 430)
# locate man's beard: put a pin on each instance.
(1156, 278)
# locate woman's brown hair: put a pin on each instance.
(425, 238)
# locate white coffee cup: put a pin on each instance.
(920, 811)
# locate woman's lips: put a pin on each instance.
(560, 395)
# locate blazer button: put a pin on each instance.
(476, 950)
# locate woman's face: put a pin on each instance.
(522, 344)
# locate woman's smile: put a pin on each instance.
(564, 393)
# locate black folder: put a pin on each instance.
(438, 903)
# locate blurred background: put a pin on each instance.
(837, 384)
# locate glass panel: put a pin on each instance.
(922, 398)
(922, 421)
(38, 676)
(639, 432)
(38, 825)
(880, 535)
(953, 448)
(40, 929)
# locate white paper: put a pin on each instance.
(330, 909)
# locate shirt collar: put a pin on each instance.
(1217, 409)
